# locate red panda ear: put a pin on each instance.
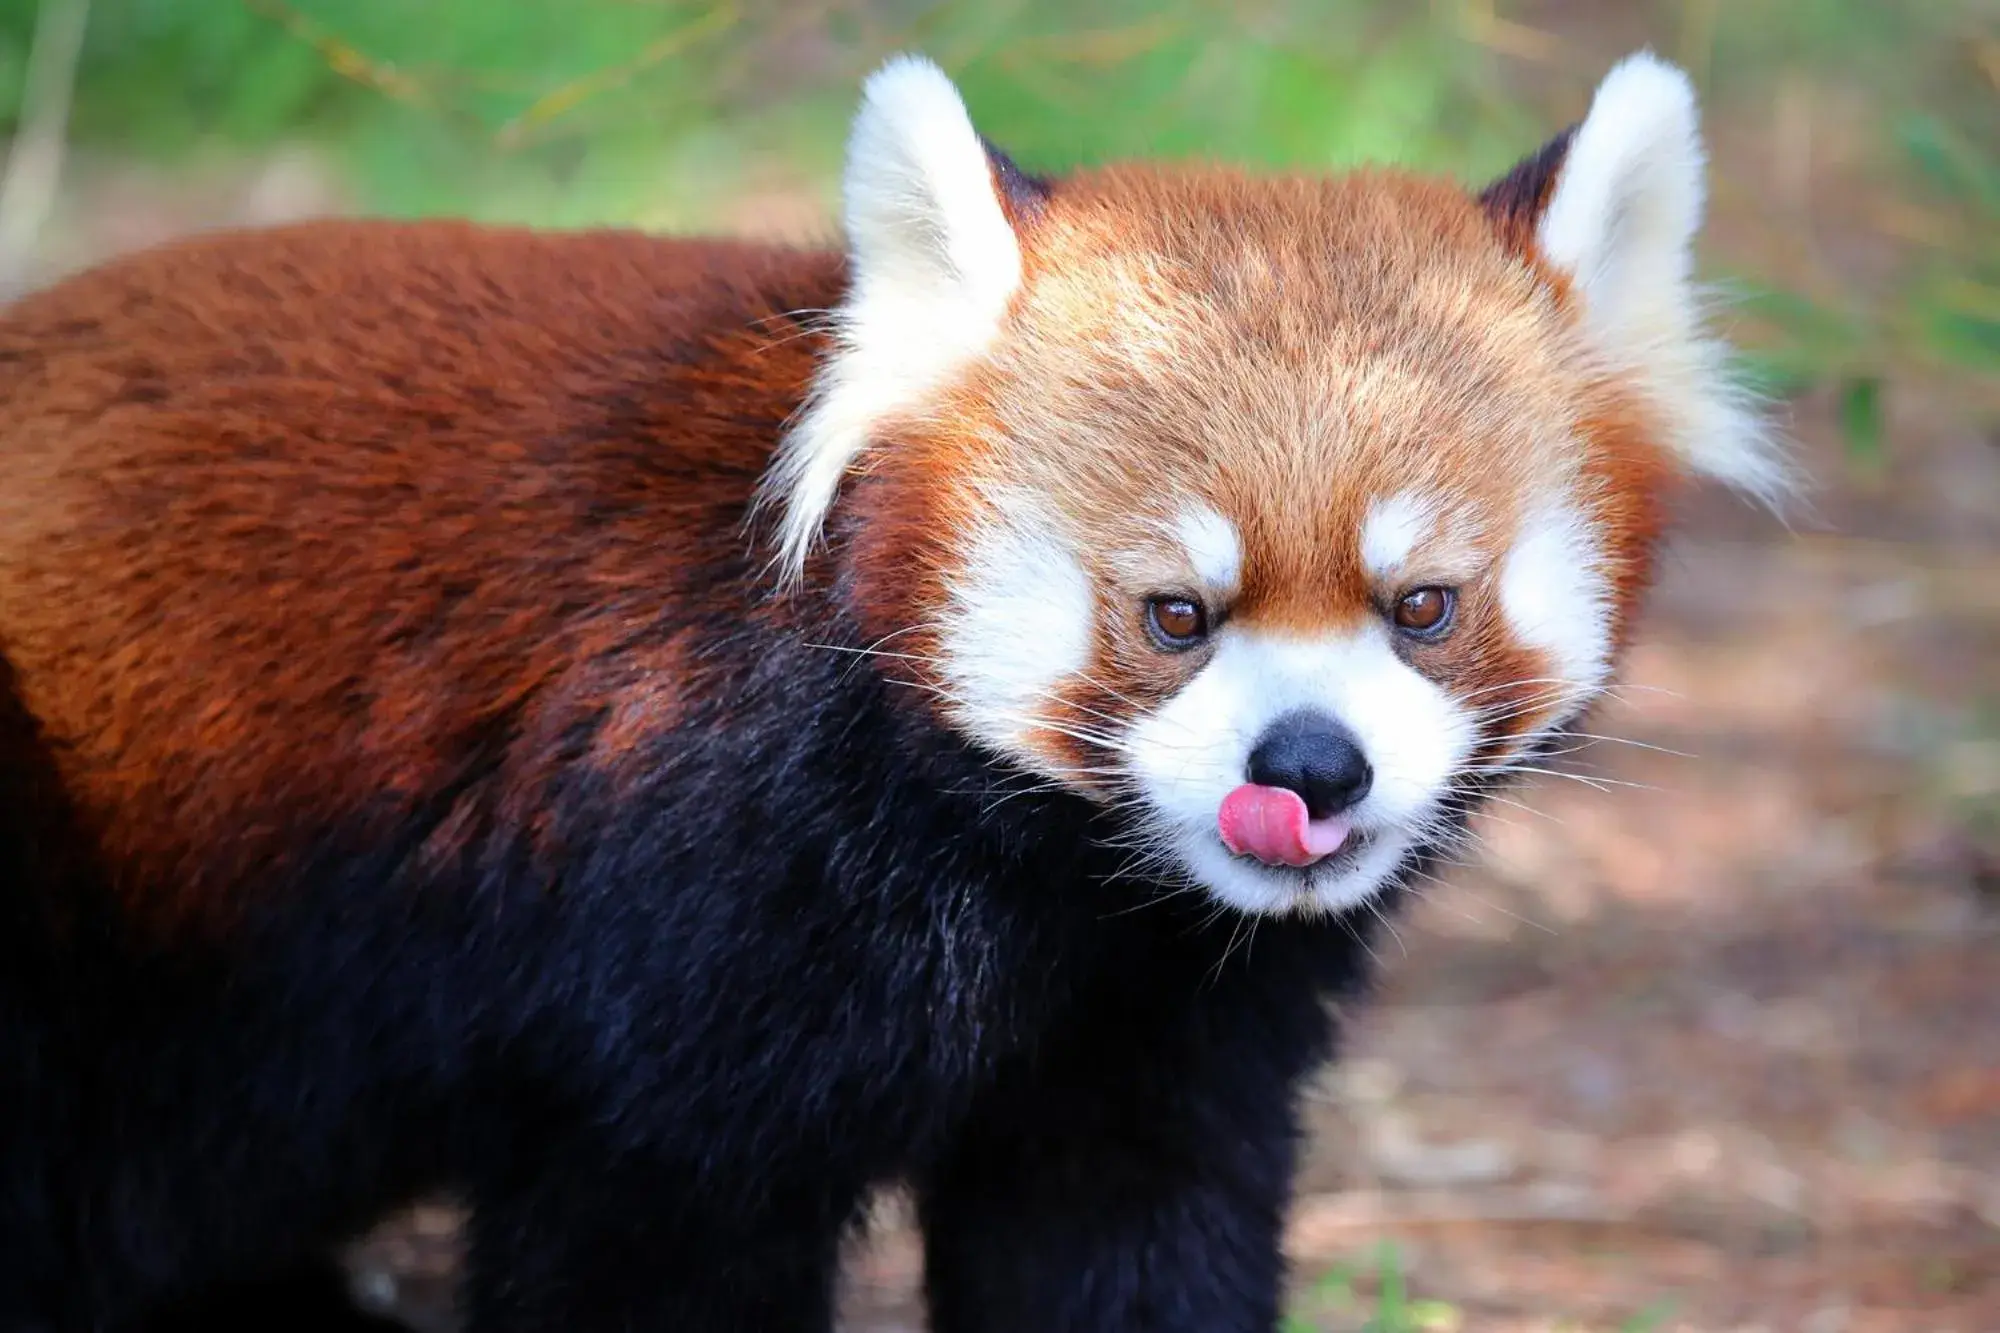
(1518, 199)
(933, 264)
(1021, 195)
(1614, 205)
(922, 199)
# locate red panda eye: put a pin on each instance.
(1426, 612)
(1176, 622)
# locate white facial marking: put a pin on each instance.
(1393, 529)
(1195, 750)
(1621, 220)
(1017, 622)
(1213, 547)
(1556, 598)
(934, 264)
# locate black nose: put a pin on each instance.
(1313, 755)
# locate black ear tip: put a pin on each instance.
(1515, 201)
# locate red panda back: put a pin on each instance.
(289, 520)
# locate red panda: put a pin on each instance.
(561, 718)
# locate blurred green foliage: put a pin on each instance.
(659, 112)
(1943, 310)
(1389, 1309)
(1336, 1299)
(564, 111)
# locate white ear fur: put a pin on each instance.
(1621, 221)
(933, 264)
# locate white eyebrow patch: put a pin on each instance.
(1213, 547)
(1392, 530)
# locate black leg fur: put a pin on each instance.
(313, 1298)
(592, 1243)
(1095, 1191)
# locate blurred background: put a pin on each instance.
(1707, 1034)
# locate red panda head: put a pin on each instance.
(1281, 515)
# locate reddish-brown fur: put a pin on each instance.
(293, 516)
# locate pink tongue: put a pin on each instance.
(1270, 823)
